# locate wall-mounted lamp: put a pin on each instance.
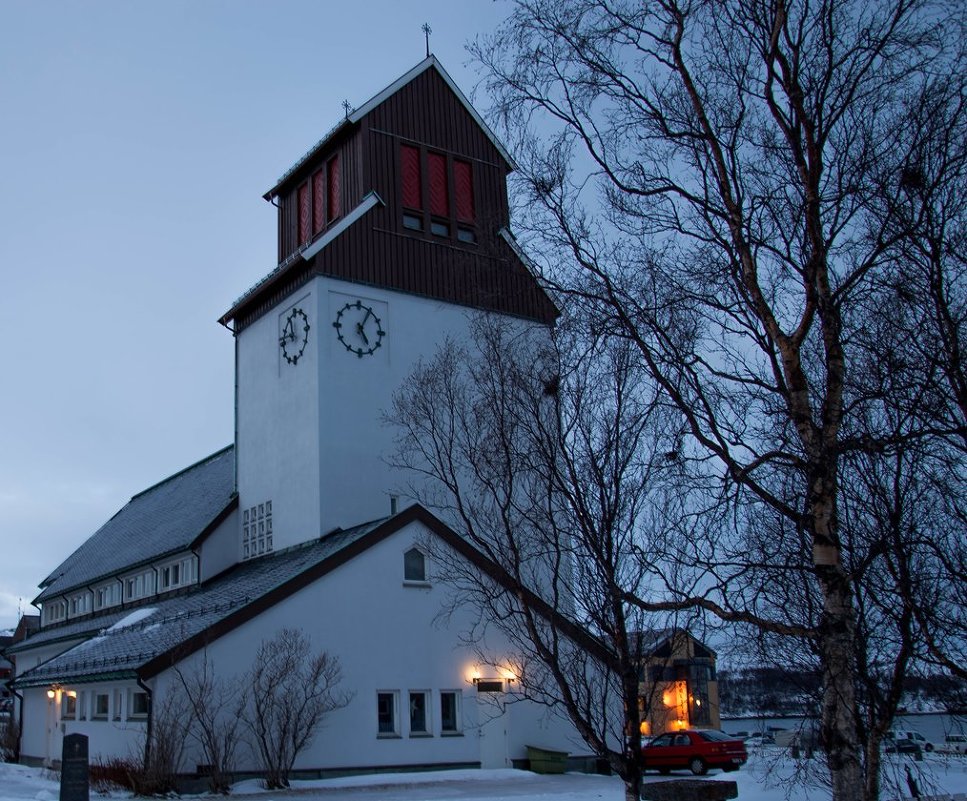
(51, 692)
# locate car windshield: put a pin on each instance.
(714, 736)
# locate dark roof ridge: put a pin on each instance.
(181, 472)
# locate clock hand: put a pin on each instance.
(361, 332)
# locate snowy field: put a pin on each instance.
(765, 778)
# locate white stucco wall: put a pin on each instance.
(219, 551)
(311, 436)
(388, 637)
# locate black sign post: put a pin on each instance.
(74, 781)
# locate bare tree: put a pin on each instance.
(215, 705)
(291, 691)
(546, 456)
(736, 188)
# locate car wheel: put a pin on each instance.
(697, 766)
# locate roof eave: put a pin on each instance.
(307, 253)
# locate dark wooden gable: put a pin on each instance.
(450, 248)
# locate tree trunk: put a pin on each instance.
(838, 719)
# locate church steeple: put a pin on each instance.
(392, 230)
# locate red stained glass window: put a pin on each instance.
(463, 190)
(318, 201)
(410, 177)
(303, 213)
(335, 189)
(437, 180)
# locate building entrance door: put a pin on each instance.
(493, 721)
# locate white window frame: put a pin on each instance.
(68, 709)
(394, 708)
(98, 695)
(132, 714)
(457, 730)
(423, 580)
(427, 730)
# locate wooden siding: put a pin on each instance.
(378, 250)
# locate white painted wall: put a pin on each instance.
(387, 636)
(311, 436)
(219, 551)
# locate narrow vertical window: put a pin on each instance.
(386, 714)
(437, 180)
(414, 565)
(419, 720)
(410, 180)
(334, 194)
(463, 190)
(303, 213)
(318, 201)
(449, 712)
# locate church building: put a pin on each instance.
(392, 234)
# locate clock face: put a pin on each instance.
(295, 335)
(359, 329)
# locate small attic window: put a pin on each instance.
(414, 565)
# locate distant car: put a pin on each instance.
(902, 745)
(954, 744)
(899, 735)
(758, 740)
(695, 749)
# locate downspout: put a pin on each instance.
(147, 732)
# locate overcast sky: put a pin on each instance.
(136, 141)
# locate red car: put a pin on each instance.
(695, 749)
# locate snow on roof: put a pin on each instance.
(134, 639)
(162, 519)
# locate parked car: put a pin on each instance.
(695, 749)
(954, 744)
(899, 735)
(902, 745)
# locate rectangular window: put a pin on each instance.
(303, 213)
(419, 719)
(436, 164)
(463, 190)
(450, 712)
(386, 714)
(102, 703)
(69, 705)
(410, 179)
(318, 201)
(334, 194)
(139, 705)
(413, 221)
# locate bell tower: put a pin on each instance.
(392, 232)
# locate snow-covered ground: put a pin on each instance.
(767, 777)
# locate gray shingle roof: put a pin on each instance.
(165, 518)
(162, 627)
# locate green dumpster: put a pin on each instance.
(543, 760)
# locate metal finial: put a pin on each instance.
(347, 107)
(427, 30)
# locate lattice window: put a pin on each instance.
(257, 530)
